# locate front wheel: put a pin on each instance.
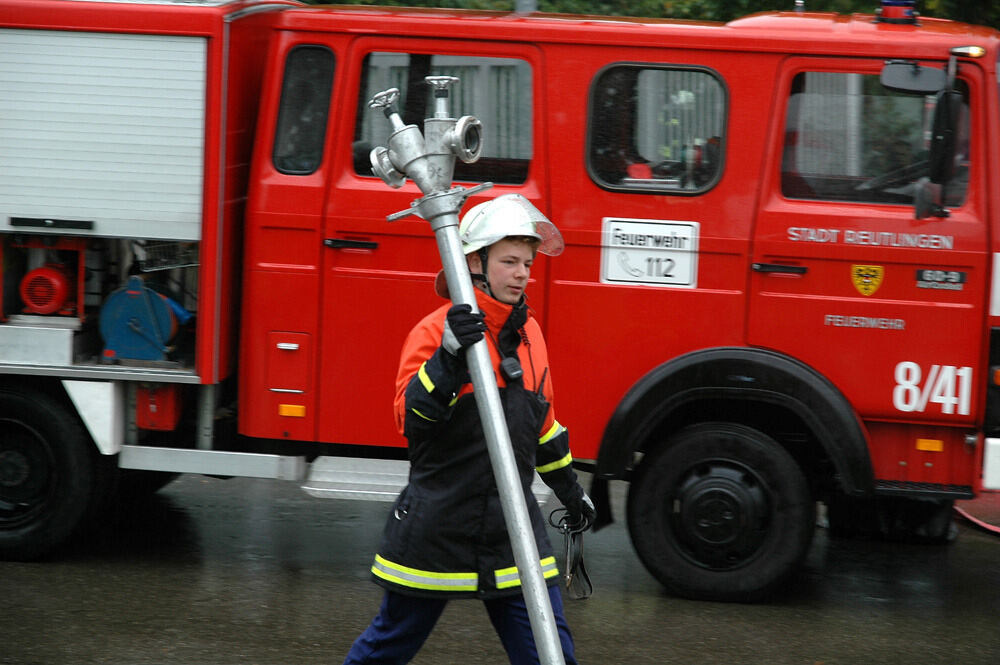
(49, 474)
(720, 512)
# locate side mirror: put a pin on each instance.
(928, 200)
(942, 152)
(909, 77)
(914, 78)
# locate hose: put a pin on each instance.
(985, 526)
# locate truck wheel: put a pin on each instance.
(721, 512)
(48, 471)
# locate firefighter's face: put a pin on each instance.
(508, 267)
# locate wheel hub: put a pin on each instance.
(24, 470)
(715, 516)
(14, 468)
(720, 514)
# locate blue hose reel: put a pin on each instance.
(138, 323)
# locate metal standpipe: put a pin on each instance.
(429, 160)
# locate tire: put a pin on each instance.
(720, 512)
(49, 474)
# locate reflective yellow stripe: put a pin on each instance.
(423, 579)
(553, 432)
(424, 379)
(558, 464)
(431, 420)
(508, 577)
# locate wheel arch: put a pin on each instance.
(98, 405)
(738, 384)
(27, 383)
(53, 388)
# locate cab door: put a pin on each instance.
(844, 278)
(377, 276)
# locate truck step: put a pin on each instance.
(372, 479)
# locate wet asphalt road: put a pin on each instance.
(221, 572)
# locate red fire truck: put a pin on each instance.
(780, 287)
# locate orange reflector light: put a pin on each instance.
(930, 445)
(996, 376)
(292, 410)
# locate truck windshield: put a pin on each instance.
(849, 139)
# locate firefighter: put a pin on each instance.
(446, 537)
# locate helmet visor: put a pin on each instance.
(506, 216)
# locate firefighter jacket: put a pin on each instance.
(446, 534)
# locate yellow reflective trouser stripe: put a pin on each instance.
(425, 380)
(508, 577)
(558, 464)
(553, 432)
(423, 579)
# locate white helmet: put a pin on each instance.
(499, 218)
(506, 216)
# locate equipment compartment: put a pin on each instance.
(97, 302)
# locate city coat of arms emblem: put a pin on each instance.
(867, 279)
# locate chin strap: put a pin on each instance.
(483, 252)
(479, 279)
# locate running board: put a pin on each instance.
(373, 479)
(327, 477)
(212, 462)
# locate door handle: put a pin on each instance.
(344, 243)
(780, 268)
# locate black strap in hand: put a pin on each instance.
(578, 585)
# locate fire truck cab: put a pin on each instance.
(779, 286)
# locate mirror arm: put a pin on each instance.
(951, 73)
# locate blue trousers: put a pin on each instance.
(403, 624)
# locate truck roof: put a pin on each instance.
(186, 3)
(152, 16)
(808, 33)
(790, 32)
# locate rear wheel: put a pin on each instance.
(720, 512)
(49, 472)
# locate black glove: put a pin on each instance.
(462, 329)
(581, 513)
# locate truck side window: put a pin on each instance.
(302, 114)
(498, 91)
(658, 129)
(849, 139)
